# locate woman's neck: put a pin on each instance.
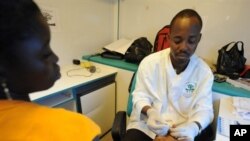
(24, 97)
(2, 96)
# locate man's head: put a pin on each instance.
(27, 63)
(185, 35)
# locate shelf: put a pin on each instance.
(56, 99)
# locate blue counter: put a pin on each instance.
(112, 62)
(229, 89)
(224, 88)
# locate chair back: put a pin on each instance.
(130, 90)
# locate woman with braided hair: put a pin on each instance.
(27, 64)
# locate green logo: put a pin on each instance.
(189, 89)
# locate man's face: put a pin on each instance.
(184, 38)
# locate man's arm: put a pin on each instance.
(202, 113)
(145, 109)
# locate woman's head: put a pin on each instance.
(27, 63)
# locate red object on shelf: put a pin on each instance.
(247, 68)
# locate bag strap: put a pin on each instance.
(225, 47)
(242, 47)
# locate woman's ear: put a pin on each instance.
(2, 71)
(200, 37)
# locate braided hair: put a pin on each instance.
(16, 23)
(18, 20)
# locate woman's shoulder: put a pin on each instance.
(66, 116)
(71, 122)
(57, 122)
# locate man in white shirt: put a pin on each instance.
(172, 99)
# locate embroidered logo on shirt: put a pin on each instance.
(189, 89)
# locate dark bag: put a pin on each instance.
(231, 62)
(112, 55)
(162, 39)
(139, 49)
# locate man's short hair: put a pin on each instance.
(187, 13)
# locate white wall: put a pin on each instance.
(83, 26)
(224, 21)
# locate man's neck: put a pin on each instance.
(179, 67)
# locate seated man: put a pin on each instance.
(172, 99)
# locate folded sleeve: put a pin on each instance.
(142, 93)
(203, 109)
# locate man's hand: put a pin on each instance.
(155, 122)
(187, 131)
(165, 138)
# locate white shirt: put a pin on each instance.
(179, 98)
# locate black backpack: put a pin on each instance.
(139, 49)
